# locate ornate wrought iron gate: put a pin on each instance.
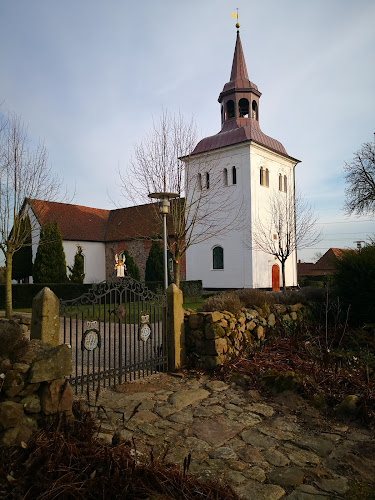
(117, 332)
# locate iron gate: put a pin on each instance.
(117, 332)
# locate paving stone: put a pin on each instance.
(181, 399)
(358, 436)
(285, 424)
(208, 411)
(250, 455)
(257, 439)
(213, 400)
(262, 409)
(143, 416)
(292, 476)
(318, 445)
(182, 417)
(275, 433)
(165, 410)
(194, 445)
(252, 490)
(216, 385)
(250, 419)
(234, 477)
(215, 431)
(235, 408)
(338, 485)
(303, 457)
(177, 455)
(307, 492)
(168, 424)
(223, 453)
(255, 473)
(150, 430)
(276, 458)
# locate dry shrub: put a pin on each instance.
(228, 302)
(251, 297)
(304, 295)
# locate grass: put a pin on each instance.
(193, 303)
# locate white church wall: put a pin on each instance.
(94, 258)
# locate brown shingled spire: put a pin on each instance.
(239, 70)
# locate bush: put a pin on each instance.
(251, 297)
(228, 302)
(131, 267)
(191, 288)
(77, 270)
(355, 283)
(154, 264)
(50, 264)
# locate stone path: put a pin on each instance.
(265, 448)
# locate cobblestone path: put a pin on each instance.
(272, 448)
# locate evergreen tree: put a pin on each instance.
(50, 264)
(154, 263)
(22, 259)
(77, 274)
(131, 267)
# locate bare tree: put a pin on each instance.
(288, 225)
(24, 173)
(360, 179)
(162, 163)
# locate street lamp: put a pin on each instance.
(164, 205)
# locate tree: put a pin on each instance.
(131, 267)
(77, 274)
(360, 179)
(154, 263)
(50, 264)
(22, 266)
(288, 224)
(24, 173)
(161, 163)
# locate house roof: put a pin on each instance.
(81, 223)
(326, 261)
(75, 221)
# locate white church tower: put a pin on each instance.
(253, 171)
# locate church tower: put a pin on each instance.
(252, 170)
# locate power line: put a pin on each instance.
(347, 221)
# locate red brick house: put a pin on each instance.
(325, 265)
(100, 233)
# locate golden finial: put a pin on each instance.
(236, 17)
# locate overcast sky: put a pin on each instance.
(88, 77)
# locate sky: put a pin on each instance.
(89, 77)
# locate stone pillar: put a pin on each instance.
(45, 321)
(175, 328)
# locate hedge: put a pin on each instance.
(24, 293)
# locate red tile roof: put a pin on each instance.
(327, 261)
(141, 221)
(75, 221)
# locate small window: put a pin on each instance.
(230, 109)
(254, 110)
(280, 182)
(207, 180)
(234, 175)
(264, 177)
(225, 177)
(243, 108)
(285, 184)
(218, 258)
(200, 182)
(267, 177)
(222, 114)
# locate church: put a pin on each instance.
(240, 169)
(255, 170)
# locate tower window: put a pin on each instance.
(230, 109)
(222, 114)
(285, 184)
(254, 110)
(225, 177)
(207, 180)
(264, 177)
(200, 182)
(234, 175)
(218, 258)
(280, 182)
(243, 107)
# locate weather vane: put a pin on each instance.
(236, 17)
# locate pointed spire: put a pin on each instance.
(239, 70)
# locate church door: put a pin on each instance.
(275, 278)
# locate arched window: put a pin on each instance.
(200, 182)
(285, 184)
(218, 258)
(243, 108)
(280, 182)
(225, 177)
(207, 180)
(254, 110)
(230, 109)
(264, 177)
(222, 114)
(234, 175)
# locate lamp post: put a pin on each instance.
(164, 205)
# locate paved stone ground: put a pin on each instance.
(266, 448)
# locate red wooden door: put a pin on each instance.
(275, 278)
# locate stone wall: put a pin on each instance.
(213, 337)
(33, 383)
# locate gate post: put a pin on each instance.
(45, 320)
(175, 328)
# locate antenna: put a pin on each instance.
(359, 244)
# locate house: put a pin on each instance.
(325, 265)
(255, 168)
(100, 233)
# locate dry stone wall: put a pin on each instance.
(213, 337)
(33, 384)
